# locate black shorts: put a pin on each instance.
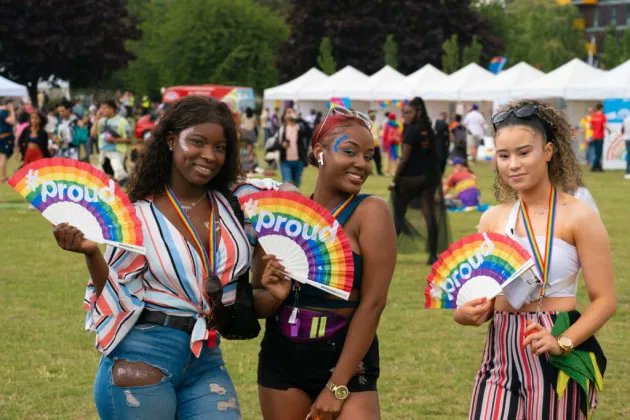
(283, 364)
(6, 146)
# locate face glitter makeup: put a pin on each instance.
(182, 138)
(338, 141)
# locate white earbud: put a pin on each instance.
(320, 159)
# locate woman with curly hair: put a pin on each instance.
(536, 174)
(161, 355)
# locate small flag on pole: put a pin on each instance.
(497, 64)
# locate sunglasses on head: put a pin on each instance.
(340, 110)
(525, 111)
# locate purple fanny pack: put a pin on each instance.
(303, 325)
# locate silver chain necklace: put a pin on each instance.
(189, 206)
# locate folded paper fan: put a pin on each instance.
(479, 265)
(74, 192)
(307, 239)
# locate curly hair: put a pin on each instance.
(153, 169)
(563, 168)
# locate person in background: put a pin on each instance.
(598, 125)
(310, 119)
(64, 131)
(33, 141)
(113, 133)
(249, 127)
(475, 123)
(78, 109)
(418, 175)
(7, 138)
(249, 161)
(585, 146)
(275, 121)
(442, 139)
(294, 138)
(458, 136)
(625, 129)
(391, 142)
(265, 122)
(460, 189)
(377, 144)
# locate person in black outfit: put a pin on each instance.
(442, 138)
(418, 174)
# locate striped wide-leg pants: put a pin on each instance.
(513, 383)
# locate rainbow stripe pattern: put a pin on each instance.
(475, 266)
(74, 192)
(306, 237)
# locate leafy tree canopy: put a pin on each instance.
(201, 42)
(82, 41)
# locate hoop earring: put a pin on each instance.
(320, 159)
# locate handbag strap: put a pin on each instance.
(511, 222)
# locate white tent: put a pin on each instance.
(450, 88)
(380, 82)
(565, 82)
(288, 90)
(500, 87)
(612, 84)
(344, 83)
(12, 89)
(413, 85)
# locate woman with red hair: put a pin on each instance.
(319, 357)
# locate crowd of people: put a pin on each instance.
(159, 321)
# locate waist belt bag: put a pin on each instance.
(303, 325)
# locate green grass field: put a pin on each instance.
(427, 361)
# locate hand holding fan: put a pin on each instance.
(74, 192)
(479, 265)
(307, 239)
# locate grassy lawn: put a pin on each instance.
(427, 361)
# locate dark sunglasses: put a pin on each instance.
(520, 112)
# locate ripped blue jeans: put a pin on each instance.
(192, 388)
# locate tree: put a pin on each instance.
(390, 51)
(625, 44)
(83, 42)
(613, 50)
(353, 26)
(472, 52)
(196, 42)
(325, 60)
(542, 33)
(450, 57)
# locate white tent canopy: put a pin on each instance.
(288, 90)
(345, 83)
(12, 89)
(413, 85)
(567, 81)
(501, 86)
(382, 82)
(450, 88)
(612, 84)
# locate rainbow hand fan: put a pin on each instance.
(307, 239)
(476, 266)
(74, 192)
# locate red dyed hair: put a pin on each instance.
(333, 121)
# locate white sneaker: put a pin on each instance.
(626, 176)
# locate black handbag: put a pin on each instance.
(237, 321)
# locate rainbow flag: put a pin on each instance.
(496, 64)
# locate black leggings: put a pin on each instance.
(424, 188)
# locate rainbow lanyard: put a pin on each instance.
(543, 264)
(341, 207)
(208, 259)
